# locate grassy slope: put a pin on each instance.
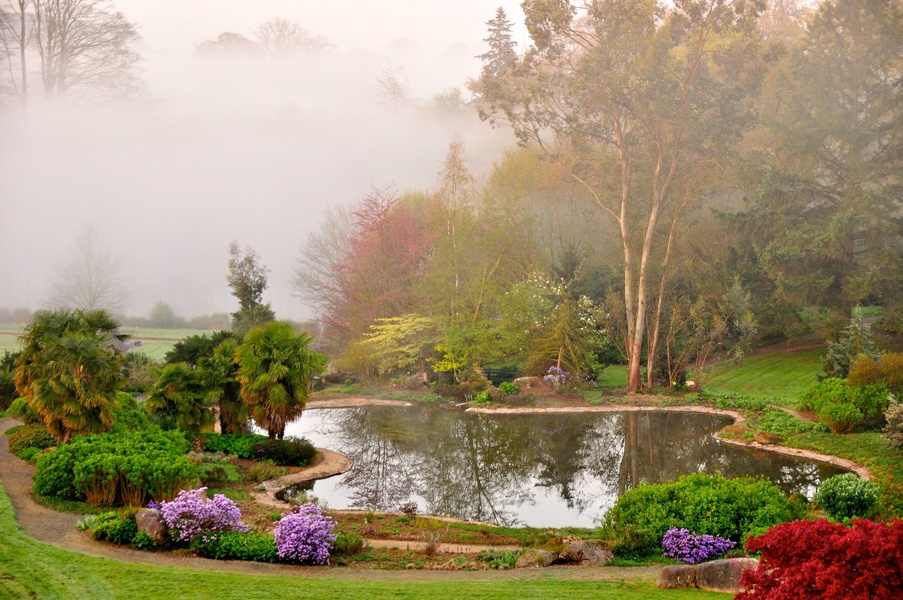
(781, 375)
(32, 569)
(154, 342)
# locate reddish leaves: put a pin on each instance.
(825, 560)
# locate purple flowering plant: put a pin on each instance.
(305, 536)
(557, 376)
(685, 546)
(190, 514)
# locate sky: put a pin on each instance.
(248, 151)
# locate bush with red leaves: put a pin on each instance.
(828, 561)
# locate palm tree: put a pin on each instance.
(70, 370)
(178, 399)
(274, 370)
(218, 372)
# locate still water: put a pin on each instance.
(539, 470)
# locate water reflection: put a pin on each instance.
(543, 470)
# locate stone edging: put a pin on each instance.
(333, 463)
(739, 419)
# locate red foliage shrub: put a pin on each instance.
(828, 561)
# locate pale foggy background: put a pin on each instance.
(244, 149)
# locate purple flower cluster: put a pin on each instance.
(556, 376)
(305, 536)
(190, 515)
(688, 547)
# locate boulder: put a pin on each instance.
(415, 381)
(150, 521)
(528, 382)
(675, 577)
(723, 575)
(535, 558)
(589, 554)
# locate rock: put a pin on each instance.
(150, 521)
(589, 554)
(766, 438)
(723, 575)
(535, 558)
(415, 381)
(528, 382)
(675, 577)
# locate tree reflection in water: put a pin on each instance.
(544, 470)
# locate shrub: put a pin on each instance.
(893, 431)
(682, 545)
(499, 559)
(709, 504)
(842, 407)
(847, 496)
(508, 387)
(114, 527)
(30, 436)
(236, 545)
(265, 470)
(841, 417)
(892, 370)
(129, 417)
(142, 541)
(347, 543)
(820, 559)
(29, 454)
(305, 536)
(238, 444)
(290, 451)
(19, 409)
(865, 370)
(218, 472)
(116, 469)
(190, 514)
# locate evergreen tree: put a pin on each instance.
(501, 53)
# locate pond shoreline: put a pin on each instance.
(650, 404)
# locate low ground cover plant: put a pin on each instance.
(117, 469)
(846, 496)
(28, 440)
(707, 504)
(825, 560)
(237, 444)
(686, 546)
(289, 451)
(236, 545)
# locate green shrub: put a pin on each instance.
(114, 527)
(290, 451)
(847, 496)
(29, 454)
(212, 473)
(236, 545)
(117, 469)
(347, 543)
(842, 407)
(30, 436)
(705, 504)
(19, 409)
(238, 444)
(508, 387)
(265, 470)
(129, 416)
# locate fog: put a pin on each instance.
(248, 149)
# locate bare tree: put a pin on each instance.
(393, 87)
(14, 37)
(227, 43)
(284, 37)
(92, 278)
(85, 45)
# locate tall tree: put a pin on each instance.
(14, 35)
(248, 279)
(70, 370)
(638, 90)
(275, 365)
(86, 45)
(501, 54)
(92, 278)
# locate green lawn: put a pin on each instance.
(154, 342)
(30, 569)
(781, 375)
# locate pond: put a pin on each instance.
(538, 470)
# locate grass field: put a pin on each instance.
(782, 375)
(154, 342)
(29, 569)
